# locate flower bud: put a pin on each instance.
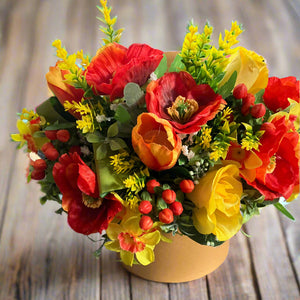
(176, 208)
(169, 196)
(240, 91)
(166, 216)
(37, 174)
(51, 134)
(151, 184)
(247, 102)
(146, 222)
(258, 110)
(145, 207)
(63, 135)
(187, 186)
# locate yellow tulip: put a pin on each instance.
(251, 70)
(217, 200)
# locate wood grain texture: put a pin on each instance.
(40, 256)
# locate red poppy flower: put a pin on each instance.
(87, 213)
(279, 90)
(114, 66)
(279, 152)
(177, 98)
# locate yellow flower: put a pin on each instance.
(251, 69)
(130, 240)
(217, 199)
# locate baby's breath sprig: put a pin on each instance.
(112, 35)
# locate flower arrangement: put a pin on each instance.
(136, 143)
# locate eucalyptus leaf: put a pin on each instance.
(132, 93)
(117, 144)
(101, 151)
(226, 89)
(162, 67)
(122, 115)
(113, 130)
(39, 134)
(177, 65)
(93, 138)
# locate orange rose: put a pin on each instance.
(155, 142)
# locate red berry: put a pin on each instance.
(187, 186)
(247, 102)
(39, 164)
(51, 134)
(63, 135)
(146, 222)
(145, 207)
(169, 196)
(176, 208)
(37, 174)
(240, 91)
(258, 110)
(51, 154)
(166, 216)
(47, 146)
(151, 184)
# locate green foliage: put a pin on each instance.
(122, 115)
(284, 211)
(162, 67)
(132, 93)
(177, 64)
(226, 89)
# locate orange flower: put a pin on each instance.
(63, 91)
(155, 142)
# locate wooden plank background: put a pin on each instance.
(40, 256)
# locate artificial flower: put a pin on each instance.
(114, 66)
(87, 212)
(279, 91)
(280, 154)
(62, 90)
(155, 142)
(177, 98)
(217, 202)
(130, 240)
(251, 70)
(26, 134)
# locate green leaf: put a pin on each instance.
(146, 196)
(162, 67)
(39, 134)
(94, 138)
(122, 115)
(132, 93)
(226, 89)
(101, 151)
(259, 96)
(283, 210)
(161, 204)
(59, 211)
(177, 65)
(113, 130)
(117, 144)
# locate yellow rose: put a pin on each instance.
(217, 199)
(251, 70)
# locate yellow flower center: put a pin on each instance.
(182, 109)
(272, 165)
(91, 202)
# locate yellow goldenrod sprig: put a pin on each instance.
(122, 162)
(251, 140)
(112, 35)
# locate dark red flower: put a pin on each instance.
(114, 66)
(279, 153)
(87, 213)
(279, 90)
(177, 98)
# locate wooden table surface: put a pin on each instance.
(40, 256)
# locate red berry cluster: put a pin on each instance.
(248, 102)
(39, 167)
(166, 215)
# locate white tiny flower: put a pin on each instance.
(197, 163)
(185, 150)
(190, 155)
(196, 182)
(153, 76)
(100, 118)
(33, 156)
(113, 106)
(181, 135)
(85, 150)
